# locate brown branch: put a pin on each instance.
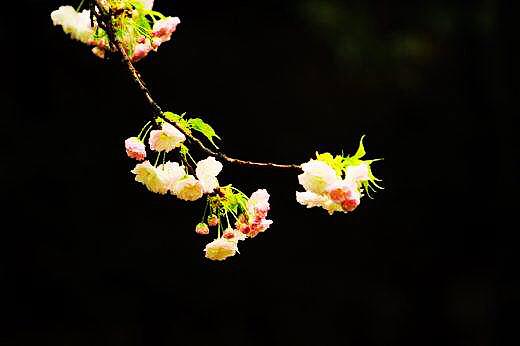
(104, 20)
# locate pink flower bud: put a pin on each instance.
(135, 149)
(228, 234)
(164, 28)
(101, 43)
(350, 204)
(213, 220)
(244, 228)
(156, 42)
(339, 195)
(202, 228)
(99, 52)
(141, 50)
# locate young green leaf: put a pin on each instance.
(361, 149)
(179, 120)
(198, 124)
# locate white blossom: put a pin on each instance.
(317, 176)
(77, 24)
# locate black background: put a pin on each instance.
(89, 257)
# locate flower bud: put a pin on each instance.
(244, 228)
(350, 204)
(202, 228)
(338, 195)
(228, 234)
(213, 220)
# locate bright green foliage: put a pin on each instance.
(227, 200)
(187, 125)
(233, 200)
(198, 124)
(341, 164)
(135, 22)
(335, 162)
(178, 120)
(356, 159)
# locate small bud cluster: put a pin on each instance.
(250, 219)
(139, 28)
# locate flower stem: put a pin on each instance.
(144, 127)
(205, 210)
(227, 219)
(80, 5)
(157, 159)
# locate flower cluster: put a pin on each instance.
(162, 31)
(183, 181)
(250, 215)
(171, 176)
(139, 28)
(254, 221)
(336, 184)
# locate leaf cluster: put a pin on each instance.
(195, 124)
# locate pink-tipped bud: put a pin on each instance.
(141, 50)
(101, 44)
(339, 195)
(135, 149)
(202, 228)
(350, 204)
(141, 39)
(100, 53)
(213, 220)
(244, 228)
(156, 42)
(228, 234)
(164, 28)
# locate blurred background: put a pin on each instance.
(89, 257)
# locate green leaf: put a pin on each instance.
(179, 120)
(172, 116)
(198, 124)
(361, 149)
(335, 162)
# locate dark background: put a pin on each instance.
(89, 257)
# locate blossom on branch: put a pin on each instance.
(202, 228)
(139, 28)
(164, 28)
(166, 139)
(188, 189)
(207, 171)
(220, 249)
(135, 149)
(76, 24)
(317, 176)
(336, 183)
(132, 29)
(172, 173)
(153, 178)
(141, 50)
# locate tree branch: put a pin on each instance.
(104, 20)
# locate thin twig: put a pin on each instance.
(104, 20)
